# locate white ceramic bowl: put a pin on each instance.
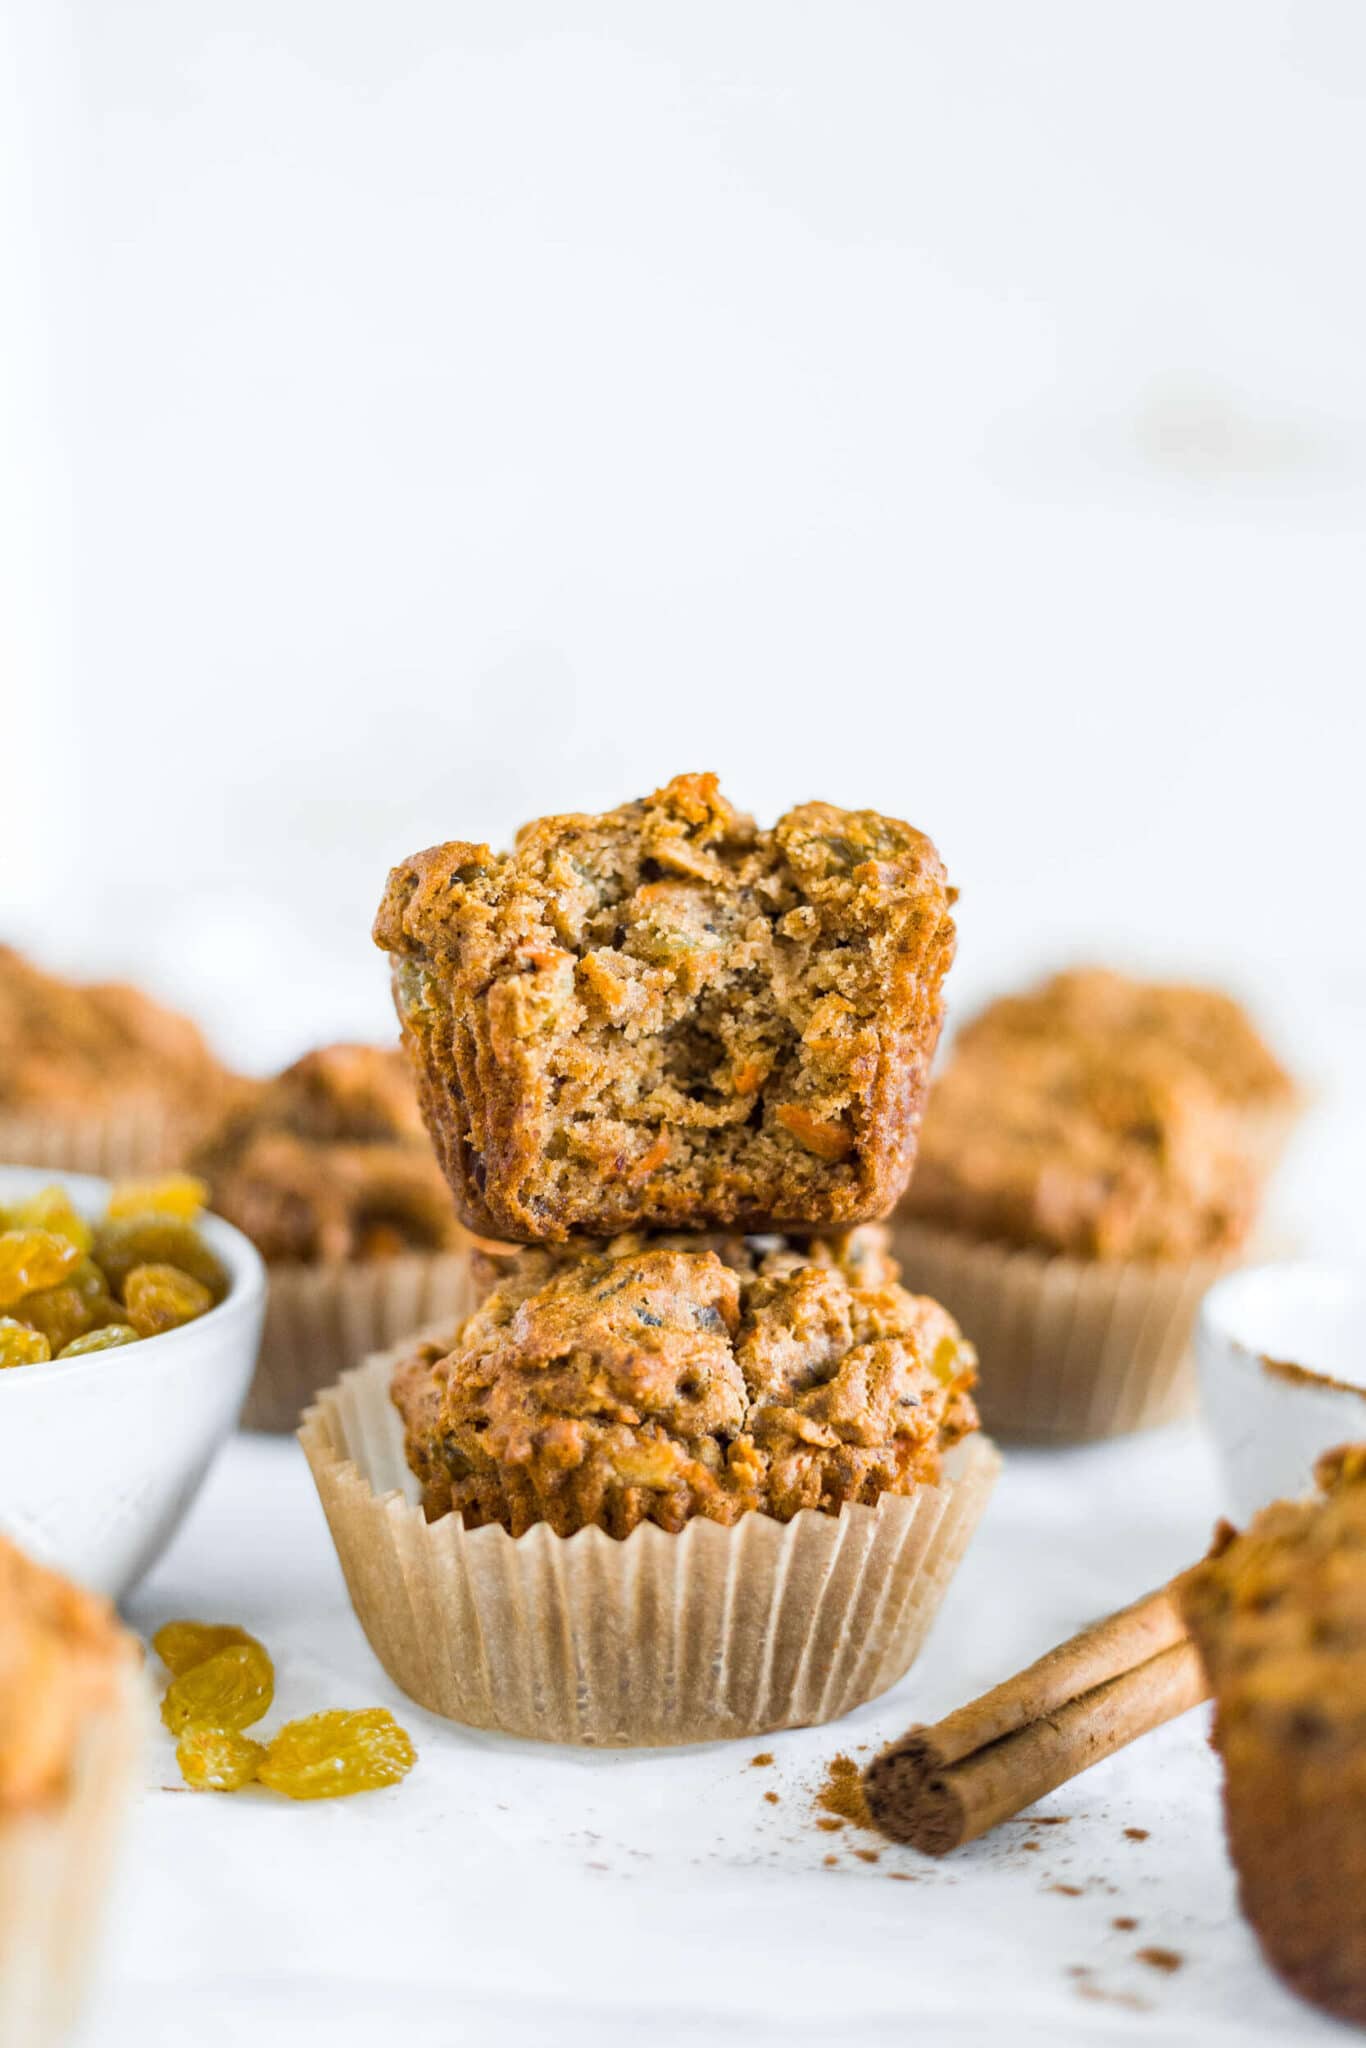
(1282, 1359)
(100, 1457)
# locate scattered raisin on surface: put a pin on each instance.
(326, 1756)
(217, 1759)
(229, 1690)
(183, 1644)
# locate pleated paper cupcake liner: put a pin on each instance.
(115, 1143)
(1069, 1350)
(651, 1640)
(55, 1867)
(323, 1320)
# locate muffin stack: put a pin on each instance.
(1094, 1155)
(680, 1061)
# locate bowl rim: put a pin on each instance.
(246, 1283)
(1342, 1282)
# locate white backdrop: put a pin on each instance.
(425, 415)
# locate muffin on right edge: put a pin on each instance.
(1279, 1617)
(1093, 1156)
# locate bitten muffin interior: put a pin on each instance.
(663, 1378)
(330, 1161)
(665, 1014)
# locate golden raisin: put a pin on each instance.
(231, 1689)
(21, 1346)
(183, 1644)
(65, 1312)
(217, 1759)
(178, 1195)
(326, 1756)
(160, 1298)
(33, 1259)
(109, 1337)
(53, 1209)
(157, 1241)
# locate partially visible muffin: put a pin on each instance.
(664, 1017)
(86, 1048)
(1279, 1618)
(1117, 1015)
(61, 1650)
(329, 1162)
(1051, 1145)
(655, 1380)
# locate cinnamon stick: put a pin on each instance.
(941, 1786)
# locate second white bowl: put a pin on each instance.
(1282, 1360)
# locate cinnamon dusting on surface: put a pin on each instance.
(1125, 1922)
(842, 1794)
(1168, 1959)
(1135, 1834)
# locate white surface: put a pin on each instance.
(469, 410)
(1269, 1427)
(100, 1457)
(522, 1895)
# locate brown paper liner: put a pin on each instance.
(1069, 1349)
(657, 1639)
(323, 1320)
(114, 1143)
(54, 1875)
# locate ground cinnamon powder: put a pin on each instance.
(841, 1794)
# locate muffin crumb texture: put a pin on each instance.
(1279, 1616)
(661, 1379)
(665, 1017)
(330, 1162)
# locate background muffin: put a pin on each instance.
(329, 1171)
(664, 1017)
(96, 1076)
(1094, 1153)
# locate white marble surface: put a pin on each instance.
(512, 1893)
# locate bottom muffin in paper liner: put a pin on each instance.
(652, 1639)
(115, 1143)
(55, 1867)
(1070, 1350)
(322, 1320)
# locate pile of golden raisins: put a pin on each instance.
(223, 1682)
(69, 1286)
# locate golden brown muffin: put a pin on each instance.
(1279, 1617)
(329, 1162)
(61, 1655)
(1056, 1146)
(659, 1379)
(664, 1017)
(1115, 1016)
(87, 1047)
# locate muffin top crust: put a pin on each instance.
(1201, 1028)
(329, 1161)
(1104, 1119)
(664, 1017)
(71, 1046)
(654, 1380)
(61, 1650)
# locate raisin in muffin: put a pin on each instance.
(96, 1076)
(1279, 1617)
(665, 1017)
(329, 1162)
(656, 1380)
